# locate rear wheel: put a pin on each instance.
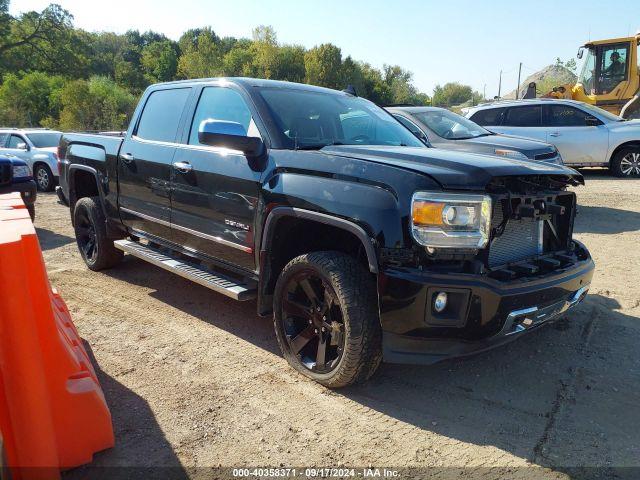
(44, 177)
(326, 318)
(95, 246)
(626, 163)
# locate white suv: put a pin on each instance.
(36, 146)
(585, 135)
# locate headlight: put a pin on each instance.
(511, 154)
(450, 220)
(21, 171)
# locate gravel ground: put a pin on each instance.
(195, 380)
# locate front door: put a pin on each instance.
(577, 142)
(215, 190)
(144, 164)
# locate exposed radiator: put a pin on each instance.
(520, 240)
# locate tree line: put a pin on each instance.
(55, 75)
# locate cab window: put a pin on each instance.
(14, 141)
(488, 117)
(221, 103)
(612, 66)
(529, 116)
(565, 116)
(161, 115)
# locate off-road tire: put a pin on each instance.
(616, 167)
(88, 209)
(40, 172)
(355, 290)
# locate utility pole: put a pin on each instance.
(518, 87)
(484, 92)
(500, 85)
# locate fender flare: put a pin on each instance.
(324, 218)
(72, 186)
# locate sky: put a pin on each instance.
(439, 41)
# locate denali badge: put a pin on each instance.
(233, 223)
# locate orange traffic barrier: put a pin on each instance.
(53, 414)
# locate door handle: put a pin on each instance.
(126, 157)
(554, 134)
(183, 167)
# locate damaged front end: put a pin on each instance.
(526, 271)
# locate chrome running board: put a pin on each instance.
(216, 281)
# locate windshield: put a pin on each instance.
(450, 125)
(44, 140)
(602, 113)
(587, 72)
(310, 120)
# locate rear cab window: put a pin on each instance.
(161, 115)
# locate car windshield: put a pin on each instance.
(312, 120)
(450, 125)
(44, 140)
(602, 113)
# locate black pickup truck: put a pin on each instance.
(364, 244)
(16, 176)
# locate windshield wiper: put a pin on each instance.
(316, 146)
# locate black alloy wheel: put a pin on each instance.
(313, 322)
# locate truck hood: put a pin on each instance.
(529, 147)
(451, 169)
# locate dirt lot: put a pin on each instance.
(195, 379)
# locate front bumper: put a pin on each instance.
(28, 191)
(490, 313)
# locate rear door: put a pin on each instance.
(523, 121)
(215, 190)
(144, 164)
(576, 142)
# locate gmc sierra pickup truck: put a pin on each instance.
(361, 242)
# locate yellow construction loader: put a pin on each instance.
(609, 77)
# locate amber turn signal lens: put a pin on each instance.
(427, 213)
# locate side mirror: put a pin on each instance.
(220, 133)
(22, 146)
(592, 121)
(580, 52)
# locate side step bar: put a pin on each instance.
(215, 281)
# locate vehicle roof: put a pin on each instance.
(247, 83)
(416, 109)
(534, 101)
(27, 130)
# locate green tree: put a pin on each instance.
(201, 56)
(160, 61)
(265, 52)
(322, 66)
(29, 100)
(452, 93)
(95, 104)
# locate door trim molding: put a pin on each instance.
(212, 238)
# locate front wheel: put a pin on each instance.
(626, 163)
(326, 318)
(95, 246)
(44, 178)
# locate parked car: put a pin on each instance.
(441, 128)
(15, 176)
(585, 135)
(362, 243)
(37, 147)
